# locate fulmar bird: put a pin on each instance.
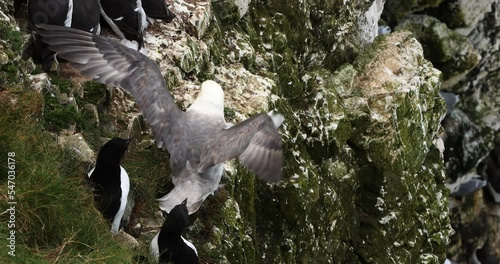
(198, 140)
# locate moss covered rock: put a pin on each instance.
(396, 10)
(470, 39)
(462, 13)
(449, 51)
(362, 170)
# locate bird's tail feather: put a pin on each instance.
(194, 193)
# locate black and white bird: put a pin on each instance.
(450, 99)
(127, 19)
(466, 185)
(157, 9)
(110, 182)
(492, 172)
(485, 255)
(168, 246)
(79, 14)
(198, 140)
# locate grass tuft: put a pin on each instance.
(56, 221)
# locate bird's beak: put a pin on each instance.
(185, 201)
(129, 140)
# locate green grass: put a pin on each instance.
(57, 116)
(65, 85)
(13, 37)
(229, 113)
(56, 221)
(150, 183)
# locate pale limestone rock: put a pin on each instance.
(245, 93)
(242, 6)
(91, 108)
(449, 51)
(135, 127)
(470, 13)
(195, 15)
(368, 23)
(40, 82)
(3, 57)
(77, 144)
(126, 240)
(240, 49)
(231, 11)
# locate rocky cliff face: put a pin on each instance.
(461, 39)
(364, 179)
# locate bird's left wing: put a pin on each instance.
(111, 63)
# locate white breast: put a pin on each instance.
(69, 15)
(125, 187)
(155, 251)
(189, 244)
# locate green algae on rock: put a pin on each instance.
(449, 51)
(462, 14)
(360, 150)
(396, 9)
(362, 168)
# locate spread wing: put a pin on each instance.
(111, 63)
(255, 141)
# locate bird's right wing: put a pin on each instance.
(111, 63)
(255, 141)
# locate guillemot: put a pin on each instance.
(110, 182)
(168, 246)
(78, 14)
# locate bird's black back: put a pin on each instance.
(86, 15)
(130, 23)
(47, 12)
(158, 9)
(171, 246)
(43, 12)
(105, 179)
(176, 251)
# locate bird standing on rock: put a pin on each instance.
(158, 9)
(110, 182)
(127, 19)
(168, 246)
(80, 14)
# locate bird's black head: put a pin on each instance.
(113, 150)
(177, 219)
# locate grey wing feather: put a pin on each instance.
(111, 63)
(255, 141)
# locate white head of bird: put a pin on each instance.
(210, 100)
